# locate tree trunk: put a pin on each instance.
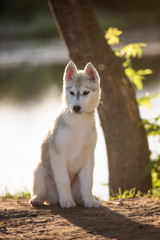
(126, 141)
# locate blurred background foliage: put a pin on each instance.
(29, 20)
(27, 82)
(32, 19)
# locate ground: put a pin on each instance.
(137, 218)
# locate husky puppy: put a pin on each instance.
(65, 172)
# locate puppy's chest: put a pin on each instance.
(80, 148)
(77, 140)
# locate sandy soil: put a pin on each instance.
(118, 219)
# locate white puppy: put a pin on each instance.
(65, 172)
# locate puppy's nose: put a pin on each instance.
(76, 108)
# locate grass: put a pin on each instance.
(20, 195)
(40, 26)
(127, 194)
(132, 193)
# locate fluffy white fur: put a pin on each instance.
(65, 172)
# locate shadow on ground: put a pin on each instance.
(121, 220)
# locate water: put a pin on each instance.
(30, 94)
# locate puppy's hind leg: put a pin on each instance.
(51, 191)
(39, 186)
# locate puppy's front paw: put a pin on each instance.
(92, 203)
(67, 203)
(36, 201)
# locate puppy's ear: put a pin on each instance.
(70, 71)
(91, 73)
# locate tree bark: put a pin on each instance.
(126, 141)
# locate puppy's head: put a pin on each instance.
(81, 88)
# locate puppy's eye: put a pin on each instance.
(72, 93)
(85, 93)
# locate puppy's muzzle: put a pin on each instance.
(77, 109)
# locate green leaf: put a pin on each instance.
(144, 72)
(132, 50)
(146, 100)
(112, 36)
(134, 77)
(152, 128)
(126, 64)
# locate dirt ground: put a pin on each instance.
(119, 219)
